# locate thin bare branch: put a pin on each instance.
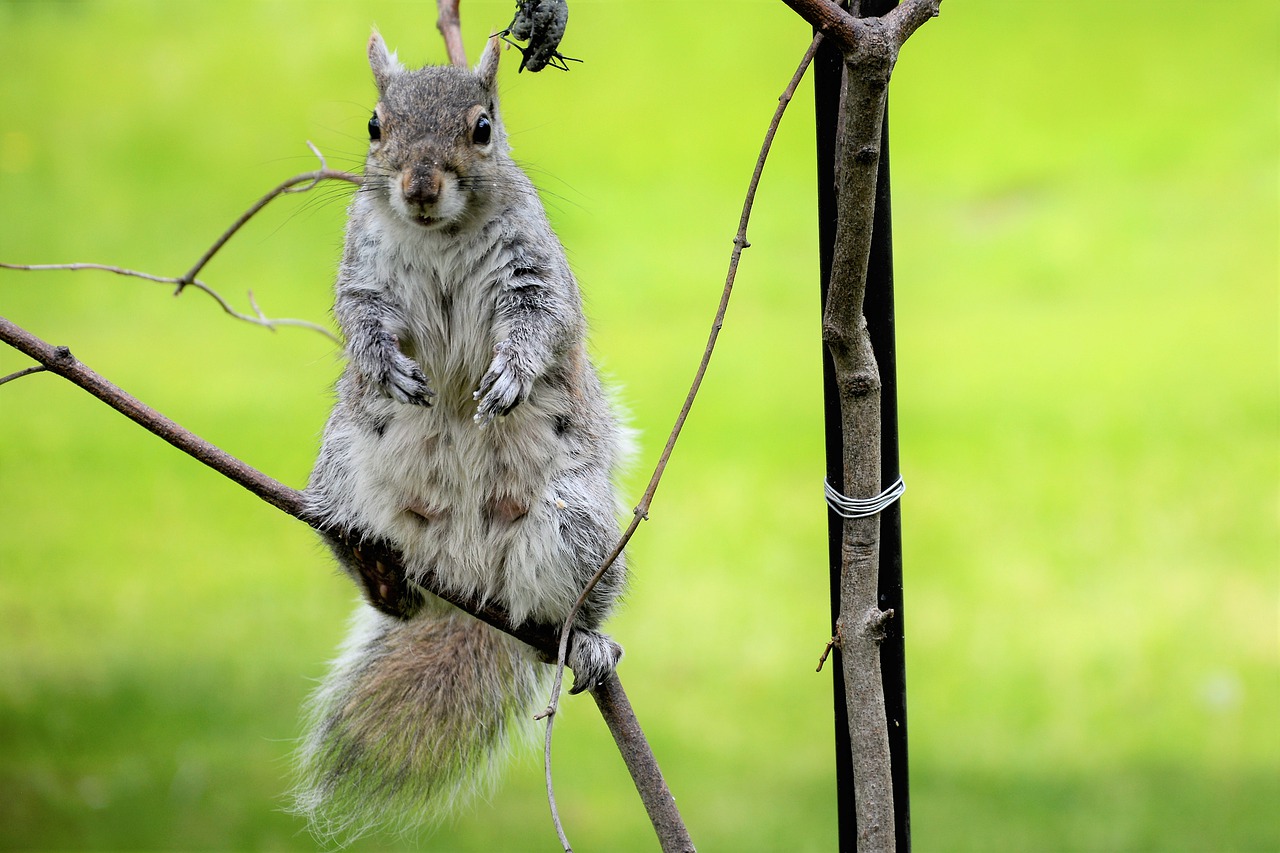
(298, 183)
(641, 511)
(551, 788)
(257, 318)
(449, 23)
(18, 374)
(146, 276)
(291, 185)
(833, 643)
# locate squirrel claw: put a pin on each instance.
(406, 383)
(592, 657)
(502, 388)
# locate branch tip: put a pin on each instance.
(833, 643)
(26, 371)
(450, 26)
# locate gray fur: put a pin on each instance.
(472, 435)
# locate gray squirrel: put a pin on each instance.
(472, 436)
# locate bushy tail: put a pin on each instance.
(413, 718)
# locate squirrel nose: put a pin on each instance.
(421, 185)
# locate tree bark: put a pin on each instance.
(870, 47)
(860, 626)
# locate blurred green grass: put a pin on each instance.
(1086, 224)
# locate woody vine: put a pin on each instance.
(870, 47)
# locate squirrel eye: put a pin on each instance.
(482, 132)
(375, 128)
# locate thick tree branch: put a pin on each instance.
(870, 47)
(844, 331)
(59, 360)
(909, 16)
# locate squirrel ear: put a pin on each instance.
(487, 67)
(384, 63)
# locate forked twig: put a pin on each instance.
(298, 183)
(641, 511)
(257, 318)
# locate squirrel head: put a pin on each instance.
(436, 141)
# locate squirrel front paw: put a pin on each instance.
(503, 387)
(400, 377)
(592, 657)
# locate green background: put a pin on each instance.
(1086, 229)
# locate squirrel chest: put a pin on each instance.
(481, 505)
(445, 292)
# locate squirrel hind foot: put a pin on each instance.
(593, 657)
(386, 589)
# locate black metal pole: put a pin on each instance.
(878, 309)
